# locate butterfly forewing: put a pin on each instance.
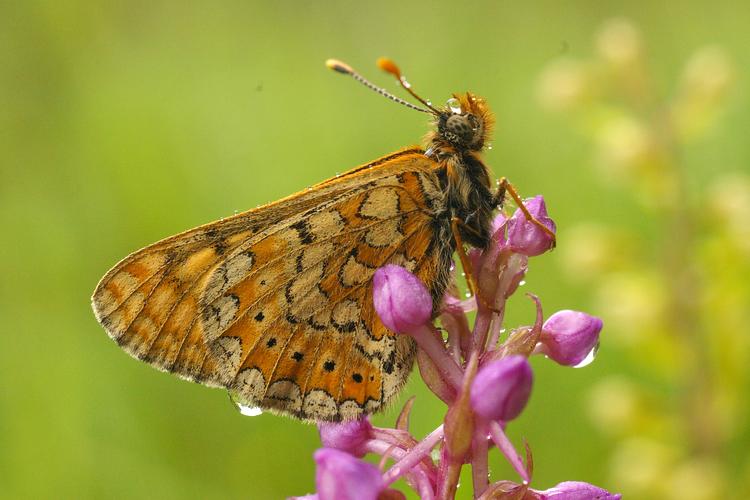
(276, 303)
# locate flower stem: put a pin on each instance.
(447, 488)
(428, 340)
(495, 329)
(479, 467)
(481, 328)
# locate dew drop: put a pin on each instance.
(429, 103)
(454, 105)
(405, 83)
(489, 146)
(589, 357)
(468, 295)
(522, 283)
(249, 411)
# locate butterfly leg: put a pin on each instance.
(465, 262)
(506, 187)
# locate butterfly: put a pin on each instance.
(275, 304)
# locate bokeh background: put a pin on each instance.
(125, 122)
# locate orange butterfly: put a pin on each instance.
(275, 303)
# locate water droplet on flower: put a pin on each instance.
(454, 105)
(468, 295)
(249, 411)
(522, 283)
(405, 83)
(589, 357)
(429, 103)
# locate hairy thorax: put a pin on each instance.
(461, 132)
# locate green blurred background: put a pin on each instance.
(122, 123)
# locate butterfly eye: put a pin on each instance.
(460, 126)
(473, 122)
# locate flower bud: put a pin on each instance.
(569, 336)
(340, 476)
(502, 388)
(346, 436)
(574, 490)
(400, 298)
(526, 237)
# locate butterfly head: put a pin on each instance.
(465, 123)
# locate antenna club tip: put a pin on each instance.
(389, 66)
(339, 66)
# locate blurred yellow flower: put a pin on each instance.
(619, 42)
(676, 303)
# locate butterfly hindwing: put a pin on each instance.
(276, 303)
(310, 341)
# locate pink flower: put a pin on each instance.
(526, 237)
(569, 336)
(341, 476)
(499, 225)
(401, 299)
(575, 490)
(346, 436)
(502, 388)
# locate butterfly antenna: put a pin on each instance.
(389, 66)
(344, 68)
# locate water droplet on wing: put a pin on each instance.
(249, 411)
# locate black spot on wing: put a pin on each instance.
(303, 230)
